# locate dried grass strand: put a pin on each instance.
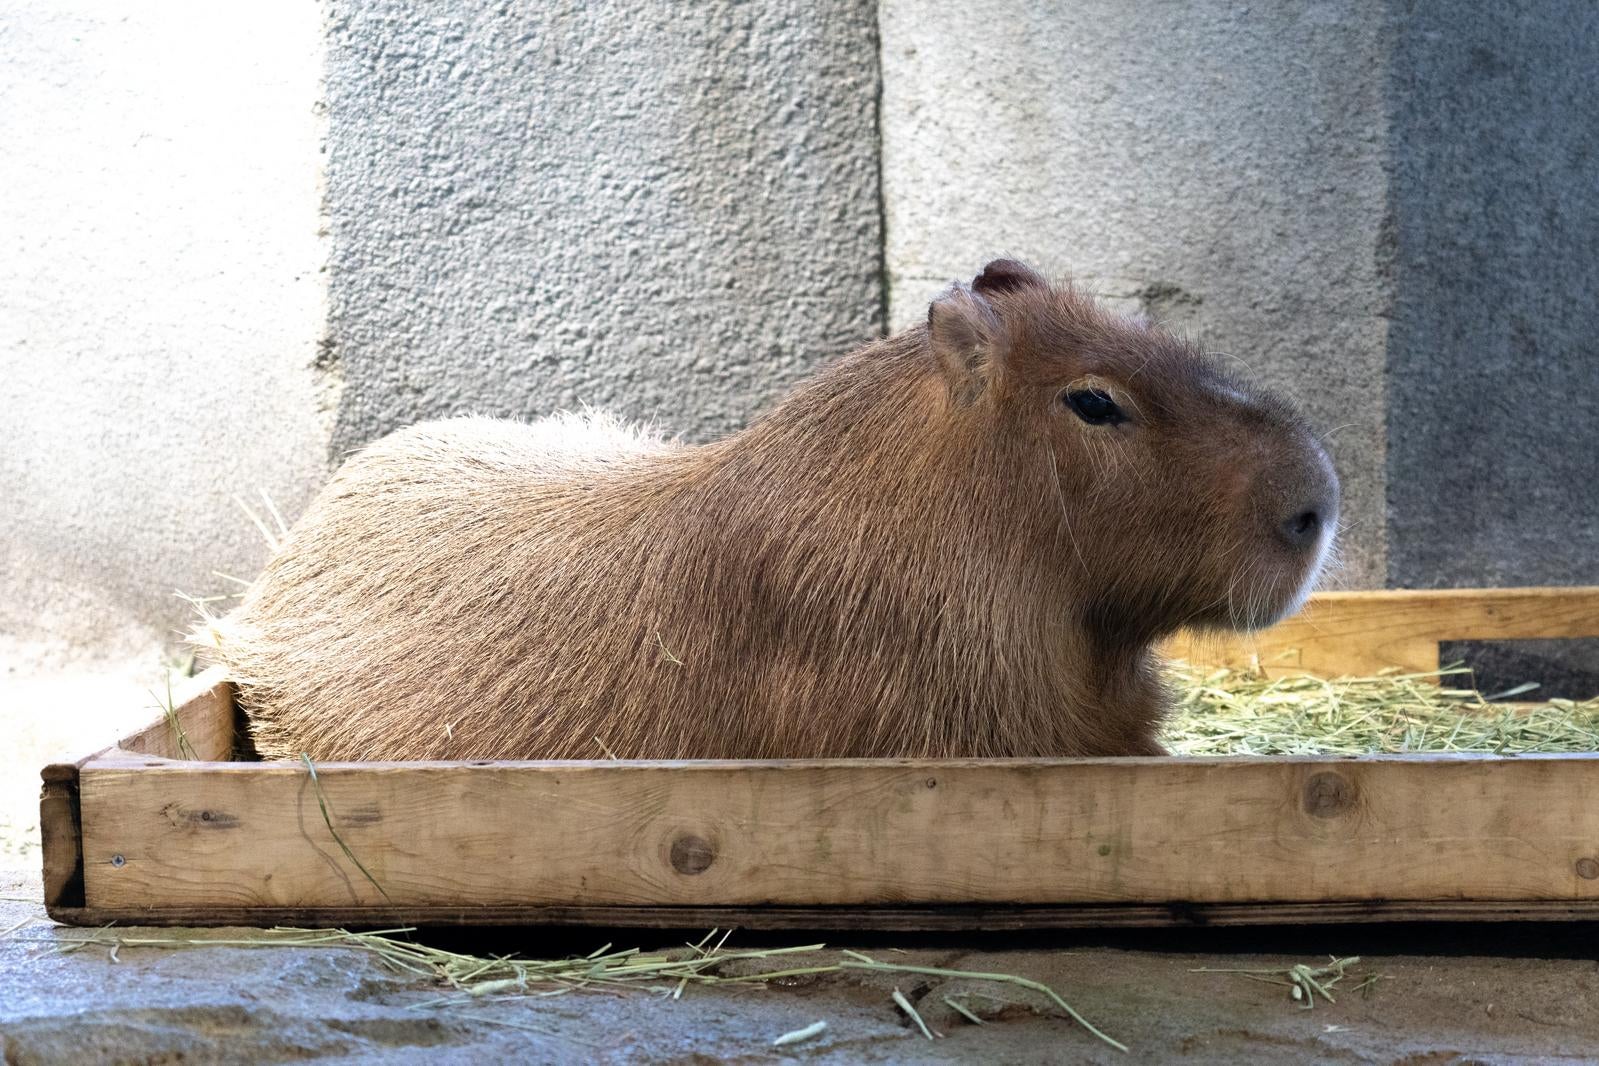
(602, 970)
(1249, 712)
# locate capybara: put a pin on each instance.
(959, 541)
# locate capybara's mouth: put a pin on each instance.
(1259, 600)
(1272, 601)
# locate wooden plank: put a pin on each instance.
(882, 918)
(1356, 634)
(203, 708)
(842, 833)
(61, 841)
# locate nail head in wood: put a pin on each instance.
(1588, 868)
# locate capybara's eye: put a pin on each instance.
(1095, 407)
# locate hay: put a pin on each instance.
(910, 1009)
(169, 711)
(813, 1030)
(322, 805)
(474, 979)
(1248, 712)
(1304, 983)
(959, 1008)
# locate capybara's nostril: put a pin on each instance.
(1302, 529)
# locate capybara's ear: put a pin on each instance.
(1007, 275)
(962, 328)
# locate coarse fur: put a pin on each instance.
(924, 551)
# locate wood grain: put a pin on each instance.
(61, 843)
(203, 707)
(132, 834)
(1356, 634)
(843, 833)
(879, 918)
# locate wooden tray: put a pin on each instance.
(138, 833)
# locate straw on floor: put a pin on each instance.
(1267, 712)
(477, 979)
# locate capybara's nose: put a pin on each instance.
(1301, 529)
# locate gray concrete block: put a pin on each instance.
(1222, 166)
(666, 213)
(1493, 414)
(160, 304)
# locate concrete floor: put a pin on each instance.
(1447, 995)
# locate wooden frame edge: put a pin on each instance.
(209, 698)
(203, 709)
(60, 808)
(931, 918)
(61, 840)
(1469, 594)
(217, 841)
(1358, 633)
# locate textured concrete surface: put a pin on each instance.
(160, 304)
(1501, 1004)
(537, 207)
(1221, 165)
(1384, 209)
(1493, 456)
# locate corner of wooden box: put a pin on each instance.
(61, 833)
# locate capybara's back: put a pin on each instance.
(960, 541)
(434, 568)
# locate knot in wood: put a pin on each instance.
(1328, 795)
(1588, 868)
(692, 855)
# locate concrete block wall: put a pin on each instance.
(1492, 261)
(671, 213)
(1385, 209)
(161, 299)
(249, 246)
(1222, 167)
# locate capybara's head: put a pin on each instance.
(1184, 496)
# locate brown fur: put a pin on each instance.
(922, 552)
